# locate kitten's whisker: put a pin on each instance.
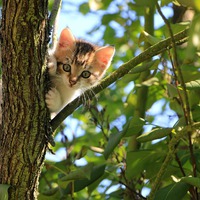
(84, 97)
(95, 96)
(101, 86)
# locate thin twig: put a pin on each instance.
(54, 13)
(185, 104)
(132, 191)
(116, 75)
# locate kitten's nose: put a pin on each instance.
(73, 81)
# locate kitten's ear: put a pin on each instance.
(67, 39)
(104, 55)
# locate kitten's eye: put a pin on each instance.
(85, 74)
(67, 67)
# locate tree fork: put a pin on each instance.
(23, 142)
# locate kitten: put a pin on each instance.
(74, 66)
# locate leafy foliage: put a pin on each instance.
(142, 135)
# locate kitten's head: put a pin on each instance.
(81, 64)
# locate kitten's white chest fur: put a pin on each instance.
(74, 66)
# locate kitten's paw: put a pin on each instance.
(53, 100)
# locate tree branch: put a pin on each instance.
(186, 105)
(54, 13)
(119, 73)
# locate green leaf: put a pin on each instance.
(50, 5)
(141, 160)
(96, 173)
(192, 181)
(145, 66)
(114, 140)
(84, 8)
(165, 2)
(194, 38)
(172, 91)
(146, 37)
(149, 3)
(106, 19)
(190, 72)
(196, 115)
(174, 191)
(4, 191)
(50, 194)
(156, 133)
(96, 183)
(149, 82)
(135, 125)
(81, 173)
(108, 32)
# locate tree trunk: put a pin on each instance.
(22, 140)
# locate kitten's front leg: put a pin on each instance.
(52, 64)
(53, 100)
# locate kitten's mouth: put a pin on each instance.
(74, 85)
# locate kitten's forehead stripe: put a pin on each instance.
(82, 53)
(83, 48)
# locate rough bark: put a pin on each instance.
(22, 140)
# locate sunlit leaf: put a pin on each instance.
(192, 85)
(186, 3)
(197, 4)
(165, 2)
(95, 5)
